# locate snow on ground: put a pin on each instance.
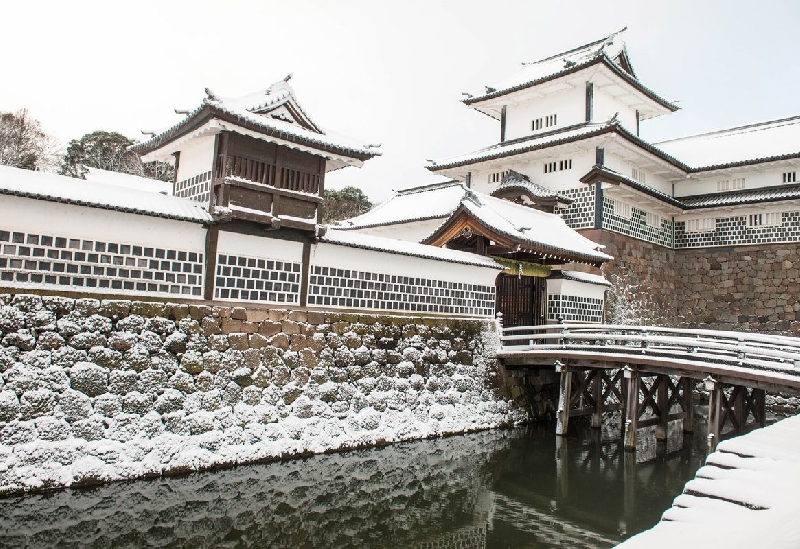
(744, 497)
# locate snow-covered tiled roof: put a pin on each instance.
(531, 229)
(249, 111)
(118, 179)
(70, 190)
(434, 201)
(589, 278)
(741, 145)
(515, 180)
(615, 176)
(733, 198)
(609, 50)
(379, 243)
(555, 138)
(522, 145)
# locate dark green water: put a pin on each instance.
(498, 489)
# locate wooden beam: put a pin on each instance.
(715, 397)
(212, 237)
(632, 409)
(564, 397)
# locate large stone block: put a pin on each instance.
(89, 378)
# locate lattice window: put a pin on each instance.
(790, 177)
(700, 224)
(497, 177)
(638, 175)
(731, 184)
(653, 219)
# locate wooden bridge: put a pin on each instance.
(649, 373)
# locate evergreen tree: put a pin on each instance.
(343, 204)
(102, 150)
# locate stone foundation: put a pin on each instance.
(95, 391)
(742, 288)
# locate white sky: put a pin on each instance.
(384, 72)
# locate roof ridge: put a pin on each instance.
(428, 187)
(573, 50)
(734, 129)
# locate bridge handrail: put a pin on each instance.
(771, 340)
(720, 345)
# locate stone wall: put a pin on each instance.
(649, 270)
(94, 391)
(747, 288)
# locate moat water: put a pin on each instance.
(522, 487)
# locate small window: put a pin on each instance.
(702, 224)
(550, 167)
(622, 209)
(730, 184)
(652, 220)
(550, 120)
(771, 219)
(638, 175)
(790, 177)
(565, 164)
(536, 124)
(497, 177)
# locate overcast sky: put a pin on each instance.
(384, 72)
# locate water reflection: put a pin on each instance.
(517, 488)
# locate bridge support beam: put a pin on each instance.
(631, 416)
(564, 399)
(662, 398)
(715, 397)
(687, 388)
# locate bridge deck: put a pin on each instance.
(755, 360)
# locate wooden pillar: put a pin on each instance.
(597, 394)
(209, 282)
(687, 385)
(564, 397)
(631, 409)
(662, 401)
(759, 407)
(714, 409)
(739, 410)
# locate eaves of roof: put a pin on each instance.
(601, 58)
(750, 162)
(602, 129)
(201, 216)
(742, 197)
(601, 171)
(531, 245)
(207, 111)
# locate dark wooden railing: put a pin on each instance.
(266, 173)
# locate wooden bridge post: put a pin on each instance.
(597, 395)
(714, 411)
(687, 386)
(564, 398)
(631, 408)
(662, 400)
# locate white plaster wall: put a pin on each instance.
(569, 105)
(582, 162)
(346, 257)
(625, 167)
(410, 232)
(755, 177)
(52, 218)
(563, 286)
(259, 246)
(197, 156)
(606, 106)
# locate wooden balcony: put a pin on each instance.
(268, 183)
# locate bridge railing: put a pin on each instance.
(759, 351)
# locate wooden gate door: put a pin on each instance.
(521, 300)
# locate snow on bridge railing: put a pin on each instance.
(760, 351)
